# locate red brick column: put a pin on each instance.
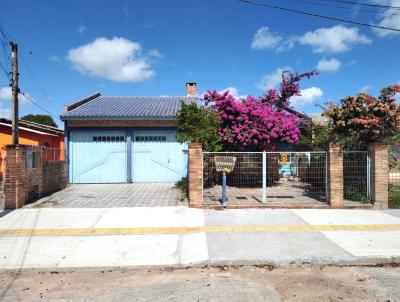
(14, 176)
(195, 177)
(335, 175)
(379, 156)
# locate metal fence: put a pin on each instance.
(394, 176)
(274, 177)
(356, 176)
(53, 154)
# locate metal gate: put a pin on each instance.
(288, 178)
(356, 177)
(394, 176)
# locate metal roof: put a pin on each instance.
(128, 107)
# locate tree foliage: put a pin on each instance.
(317, 136)
(362, 118)
(42, 119)
(258, 123)
(198, 125)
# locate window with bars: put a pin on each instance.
(152, 138)
(108, 138)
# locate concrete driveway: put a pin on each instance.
(113, 195)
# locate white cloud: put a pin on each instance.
(389, 18)
(272, 80)
(125, 12)
(155, 53)
(233, 91)
(5, 112)
(264, 39)
(329, 65)
(55, 58)
(365, 89)
(351, 63)
(81, 29)
(6, 95)
(117, 59)
(333, 39)
(308, 96)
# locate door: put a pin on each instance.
(158, 157)
(97, 156)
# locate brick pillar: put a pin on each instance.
(335, 175)
(14, 177)
(195, 178)
(379, 156)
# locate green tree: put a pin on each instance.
(196, 124)
(316, 136)
(42, 119)
(361, 119)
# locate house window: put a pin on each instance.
(108, 138)
(32, 159)
(151, 138)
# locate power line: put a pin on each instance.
(317, 15)
(365, 4)
(336, 6)
(36, 104)
(7, 37)
(5, 71)
(38, 83)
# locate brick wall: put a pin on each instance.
(195, 175)
(22, 184)
(379, 155)
(335, 175)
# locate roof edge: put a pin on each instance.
(114, 118)
(35, 126)
(81, 102)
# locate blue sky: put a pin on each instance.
(76, 48)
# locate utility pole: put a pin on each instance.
(15, 91)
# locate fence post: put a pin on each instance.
(379, 155)
(195, 177)
(335, 175)
(264, 177)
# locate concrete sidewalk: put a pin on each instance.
(180, 236)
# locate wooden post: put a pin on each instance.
(15, 91)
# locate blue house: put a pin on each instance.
(112, 139)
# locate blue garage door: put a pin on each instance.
(158, 157)
(97, 156)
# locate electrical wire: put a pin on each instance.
(337, 6)
(365, 4)
(36, 104)
(38, 83)
(7, 37)
(317, 15)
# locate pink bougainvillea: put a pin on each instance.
(258, 123)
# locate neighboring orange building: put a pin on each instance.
(33, 134)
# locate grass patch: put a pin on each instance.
(394, 196)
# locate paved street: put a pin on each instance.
(181, 236)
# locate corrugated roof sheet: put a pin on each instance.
(129, 107)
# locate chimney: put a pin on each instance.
(191, 89)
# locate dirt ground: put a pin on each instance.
(222, 283)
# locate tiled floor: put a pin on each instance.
(285, 194)
(114, 195)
